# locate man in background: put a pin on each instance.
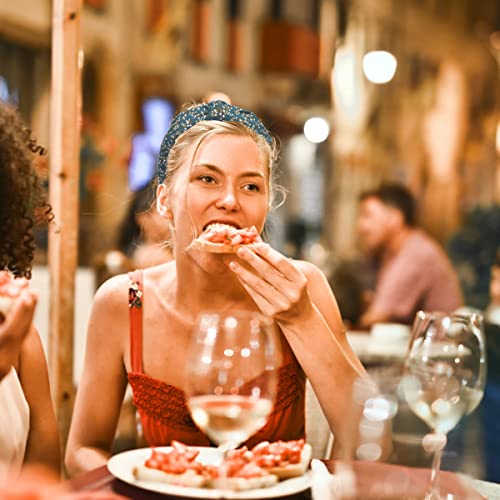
(412, 270)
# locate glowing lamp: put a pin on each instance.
(379, 66)
(316, 129)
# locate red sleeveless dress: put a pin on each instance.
(163, 407)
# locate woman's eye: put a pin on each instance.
(207, 179)
(252, 187)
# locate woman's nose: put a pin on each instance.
(228, 200)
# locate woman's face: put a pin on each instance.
(226, 182)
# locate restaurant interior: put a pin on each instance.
(358, 93)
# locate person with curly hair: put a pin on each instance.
(28, 427)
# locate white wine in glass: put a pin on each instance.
(232, 375)
(229, 420)
(445, 374)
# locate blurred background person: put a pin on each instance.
(345, 281)
(144, 234)
(143, 239)
(412, 271)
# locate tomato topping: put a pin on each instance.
(242, 462)
(279, 453)
(229, 235)
(177, 461)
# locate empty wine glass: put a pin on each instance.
(232, 375)
(445, 374)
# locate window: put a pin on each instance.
(157, 114)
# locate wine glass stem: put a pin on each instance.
(434, 488)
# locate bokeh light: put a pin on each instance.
(379, 66)
(316, 129)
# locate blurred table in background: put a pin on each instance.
(374, 349)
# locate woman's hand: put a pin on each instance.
(274, 283)
(14, 329)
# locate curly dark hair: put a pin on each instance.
(23, 202)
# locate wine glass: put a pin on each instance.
(231, 375)
(445, 374)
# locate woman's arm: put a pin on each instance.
(103, 382)
(298, 296)
(43, 438)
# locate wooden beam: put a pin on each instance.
(64, 183)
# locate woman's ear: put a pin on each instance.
(162, 202)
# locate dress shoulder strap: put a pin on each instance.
(135, 302)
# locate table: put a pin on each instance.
(373, 351)
(373, 481)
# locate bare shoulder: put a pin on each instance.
(312, 272)
(110, 309)
(32, 349)
(108, 325)
(113, 292)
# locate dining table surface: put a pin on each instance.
(354, 480)
(374, 350)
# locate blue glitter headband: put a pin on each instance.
(210, 111)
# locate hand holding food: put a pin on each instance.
(276, 284)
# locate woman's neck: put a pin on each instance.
(217, 288)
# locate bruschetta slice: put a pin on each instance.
(285, 459)
(223, 238)
(177, 466)
(239, 472)
(188, 478)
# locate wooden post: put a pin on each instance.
(64, 184)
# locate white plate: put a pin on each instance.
(121, 466)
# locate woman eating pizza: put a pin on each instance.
(215, 187)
